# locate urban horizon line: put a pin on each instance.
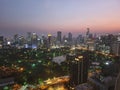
(75, 34)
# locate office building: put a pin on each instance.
(78, 66)
(34, 40)
(87, 33)
(1, 41)
(29, 40)
(49, 40)
(16, 39)
(69, 37)
(59, 36)
(116, 47)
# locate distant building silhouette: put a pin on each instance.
(1, 41)
(34, 40)
(70, 37)
(59, 36)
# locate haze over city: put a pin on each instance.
(59, 45)
(49, 16)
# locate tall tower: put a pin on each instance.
(78, 70)
(49, 40)
(21, 41)
(70, 37)
(16, 39)
(34, 40)
(87, 35)
(29, 39)
(88, 32)
(118, 45)
(1, 41)
(118, 38)
(59, 36)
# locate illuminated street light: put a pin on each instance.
(33, 65)
(80, 57)
(77, 59)
(107, 63)
(21, 69)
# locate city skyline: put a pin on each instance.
(59, 44)
(46, 16)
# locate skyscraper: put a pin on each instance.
(59, 36)
(49, 40)
(78, 70)
(29, 39)
(34, 40)
(116, 46)
(1, 41)
(16, 38)
(70, 37)
(21, 41)
(87, 33)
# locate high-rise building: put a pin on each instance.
(16, 39)
(69, 37)
(21, 41)
(59, 36)
(87, 36)
(78, 70)
(49, 40)
(29, 39)
(1, 41)
(89, 40)
(87, 33)
(80, 39)
(110, 41)
(44, 42)
(118, 38)
(34, 40)
(116, 46)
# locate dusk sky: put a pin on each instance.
(50, 16)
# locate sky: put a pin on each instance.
(50, 16)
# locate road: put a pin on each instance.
(54, 81)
